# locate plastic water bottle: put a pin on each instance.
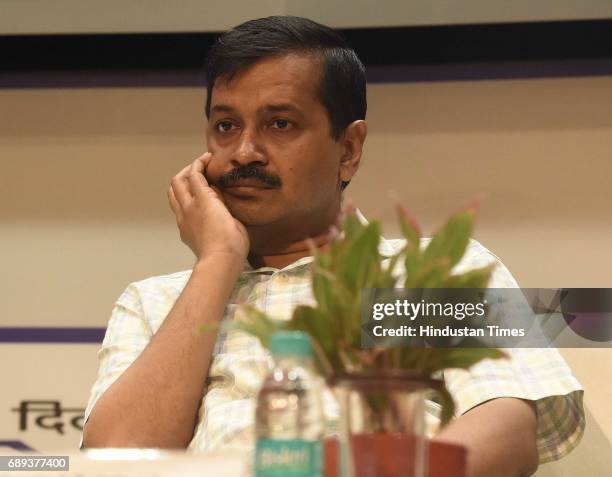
(289, 419)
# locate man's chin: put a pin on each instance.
(250, 213)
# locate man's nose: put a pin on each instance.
(249, 149)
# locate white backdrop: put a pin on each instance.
(45, 378)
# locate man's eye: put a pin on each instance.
(224, 126)
(281, 124)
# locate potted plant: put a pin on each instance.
(382, 381)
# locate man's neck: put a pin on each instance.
(279, 256)
(277, 261)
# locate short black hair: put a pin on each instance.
(343, 83)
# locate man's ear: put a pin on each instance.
(353, 138)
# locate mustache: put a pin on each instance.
(250, 171)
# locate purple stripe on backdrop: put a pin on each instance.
(51, 335)
(101, 79)
(376, 74)
(16, 445)
(490, 71)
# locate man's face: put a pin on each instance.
(268, 126)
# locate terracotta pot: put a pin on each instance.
(382, 417)
(443, 459)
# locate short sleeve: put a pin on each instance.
(127, 334)
(537, 374)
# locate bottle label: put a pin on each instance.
(288, 458)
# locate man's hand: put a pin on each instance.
(205, 224)
(155, 401)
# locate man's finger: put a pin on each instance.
(197, 177)
(180, 187)
(174, 204)
(205, 160)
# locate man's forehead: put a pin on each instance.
(276, 107)
(281, 83)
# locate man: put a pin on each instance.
(286, 106)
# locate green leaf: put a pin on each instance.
(351, 227)
(361, 257)
(409, 227)
(447, 404)
(322, 288)
(451, 241)
(317, 324)
(412, 261)
(432, 275)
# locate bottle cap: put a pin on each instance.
(290, 343)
